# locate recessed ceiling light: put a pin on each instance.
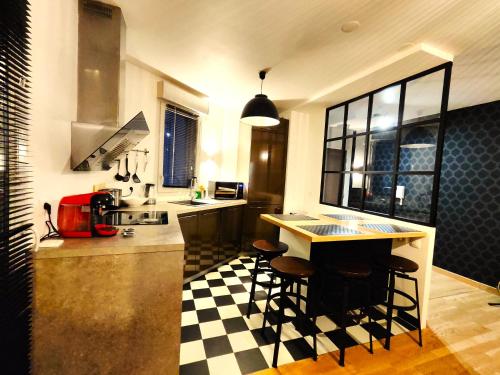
(350, 26)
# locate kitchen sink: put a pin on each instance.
(189, 203)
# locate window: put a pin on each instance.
(179, 147)
(382, 150)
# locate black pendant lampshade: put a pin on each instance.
(419, 137)
(260, 111)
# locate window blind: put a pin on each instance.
(16, 239)
(179, 147)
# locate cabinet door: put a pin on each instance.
(230, 232)
(254, 228)
(208, 230)
(189, 228)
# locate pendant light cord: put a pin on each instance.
(261, 83)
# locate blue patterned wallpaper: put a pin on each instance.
(418, 188)
(468, 218)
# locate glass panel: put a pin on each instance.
(385, 108)
(413, 197)
(352, 190)
(333, 156)
(357, 114)
(331, 185)
(423, 97)
(381, 151)
(335, 122)
(378, 193)
(418, 148)
(357, 163)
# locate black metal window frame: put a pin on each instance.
(446, 67)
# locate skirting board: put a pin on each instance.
(466, 280)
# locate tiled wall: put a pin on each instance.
(468, 219)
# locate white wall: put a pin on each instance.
(54, 98)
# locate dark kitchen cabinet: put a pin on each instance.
(266, 185)
(256, 228)
(231, 222)
(208, 230)
(210, 237)
(189, 228)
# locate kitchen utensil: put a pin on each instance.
(118, 176)
(136, 178)
(127, 175)
(146, 159)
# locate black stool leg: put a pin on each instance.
(268, 301)
(254, 281)
(280, 322)
(311, 309)
(418, 313)
(368, 308)
(390, 304)
(345, 301)
(298, 294)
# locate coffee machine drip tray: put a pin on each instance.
(135, 218)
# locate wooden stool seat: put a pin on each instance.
(270, 249)
(293, 267)
(353, 270)
(398, 264)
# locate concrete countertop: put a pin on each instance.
(148, 238)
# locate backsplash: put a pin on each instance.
(468, 218)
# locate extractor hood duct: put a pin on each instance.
(96, 140)
(99, 29)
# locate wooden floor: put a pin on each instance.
(463, 337)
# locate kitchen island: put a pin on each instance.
(325, 238)
(112, 305)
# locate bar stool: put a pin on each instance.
(266, 251)
(350, 273)
(399, 267)
(291, 270)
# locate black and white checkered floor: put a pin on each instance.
(218, 339)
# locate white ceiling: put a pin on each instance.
(218, 46)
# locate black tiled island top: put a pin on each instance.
(329, 230)
(292, 217)
(343, 217)
(388, 228)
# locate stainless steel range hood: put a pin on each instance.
(96, 139)
(96, 147)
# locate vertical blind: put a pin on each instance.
(16, 239)
(179, 147)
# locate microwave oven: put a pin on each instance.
(226, 190)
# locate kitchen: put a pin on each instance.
(138, 292)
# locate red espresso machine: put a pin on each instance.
(78, 215)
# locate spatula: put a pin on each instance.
(118, 176)
(136, 178)
(127, 175)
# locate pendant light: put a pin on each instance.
(419, 137)
(260, 111)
